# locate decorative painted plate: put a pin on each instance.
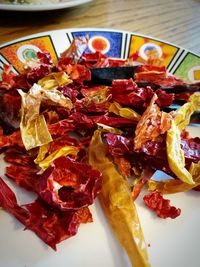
(42, 7)
(173, 243)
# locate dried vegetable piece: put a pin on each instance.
(93, 59)
(34, 75)
(69, 185)
(44, 58)
(33, 127)
(34, 131)
(43, 150)
(61, 127)
(53, 80)
(118, 144)
(22, 170)
(78, 73)
(19, 156)
(126, 92)
(161, 206)
(10, 140)
(24, 176)
(75, 51)
(62, 141)
(69, 91)
(152, 124)
(175, 185)
(7, 77)
(123, 165)
(139, 183)
(114, 121)
(50, 224)
(63, 151)
(116, 200)
(157, 75)
(191, 148)
(95, 99)
(164, 98)
(124, 112)
(175, 153)
(9, 111)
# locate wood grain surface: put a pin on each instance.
(176, 21)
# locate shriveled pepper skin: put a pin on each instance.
(116, 200)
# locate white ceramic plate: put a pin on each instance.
(43, 7)
(172, 243)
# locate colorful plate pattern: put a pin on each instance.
(172, 243)
(177, 60)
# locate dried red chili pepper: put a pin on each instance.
(24, 176)
(61, 127)
(78, 73)
(69, 185)
(44, 58)
(128, 93)
(7, 76)
(61, 141)
(49, 223)
(164, 99)
(10, 140)
(161, 206)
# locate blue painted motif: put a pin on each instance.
(114, 38)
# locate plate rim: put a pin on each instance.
(74, 29)
(43, 7)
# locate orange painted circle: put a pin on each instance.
(99, 44)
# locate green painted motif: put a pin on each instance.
(29, 54)
(188, 68)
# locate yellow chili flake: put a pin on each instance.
(54, 80)
(64, 151)
(42, 152)
(128, 113)
(34, 131)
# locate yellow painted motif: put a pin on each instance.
(147, 46)
(18, 52)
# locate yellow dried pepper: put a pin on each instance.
(128, 113)
(116, 200)
(64, 151)
(42, 152)
(54, 79)
(33, 127)
(176, 186)
(175, 154)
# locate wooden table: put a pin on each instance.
(176, 21)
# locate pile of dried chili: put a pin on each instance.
(69, 140)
